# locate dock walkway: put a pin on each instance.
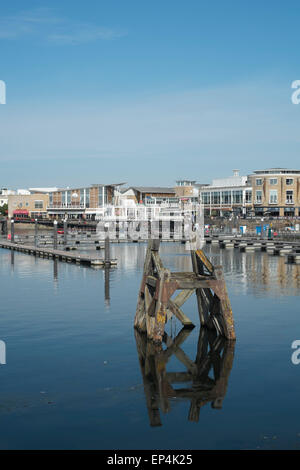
(57, 254)
(290, 249)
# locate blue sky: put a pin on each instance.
(146, 92)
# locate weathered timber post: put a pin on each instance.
(155, 305)
(55, 235)
(35, 232)
(12, 231)
(141, 315)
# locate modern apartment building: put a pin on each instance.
(276, 192)
(225, 196)
(84, 202)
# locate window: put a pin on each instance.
(259, 182)
(87, 197)
(273, 196)
(216, 197)
(226, 197)
(248, 196)
(237, 197)
(273, 181)
(289, 181)
(205, 198)
(290, 197)
(38, 204)
(258, 197)
(100, 196)
(81, 196)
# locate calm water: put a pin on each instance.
(73, 377)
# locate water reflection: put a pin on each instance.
(12, 259)
(55, 273)
(205, 379)
(107, 285)
(258, 273)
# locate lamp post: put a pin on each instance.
(12, 231)
(106, 245)
(262, 228)
(55, 234)
(35, 232)
(65, 231)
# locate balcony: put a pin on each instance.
(290, 201)
(62, 208)
(66, 206)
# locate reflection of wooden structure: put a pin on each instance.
(158, 285)
(214, 354)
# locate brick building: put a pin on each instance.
(28, 205)
(276, 192)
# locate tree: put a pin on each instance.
(4, 210)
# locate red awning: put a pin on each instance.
(20, 212)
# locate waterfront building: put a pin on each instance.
(276, 192)
(149, 195)
(187, 191)
(85, 202)
(43, 190)
(227, 196)
(24, 206)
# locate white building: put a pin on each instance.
(4, 193)
(225, 196)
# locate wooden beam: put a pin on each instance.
(183, 296)
(140, 315)
(157, 262)
(226, 310)
(203, 314)
(179, 314)
(205, 261)
(161, 306)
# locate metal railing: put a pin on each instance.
(66, 206)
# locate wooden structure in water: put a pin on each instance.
(205, 380)
(155, 305)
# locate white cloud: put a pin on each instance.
(42, 23)
(81, 34)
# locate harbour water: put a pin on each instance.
(72, 378)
